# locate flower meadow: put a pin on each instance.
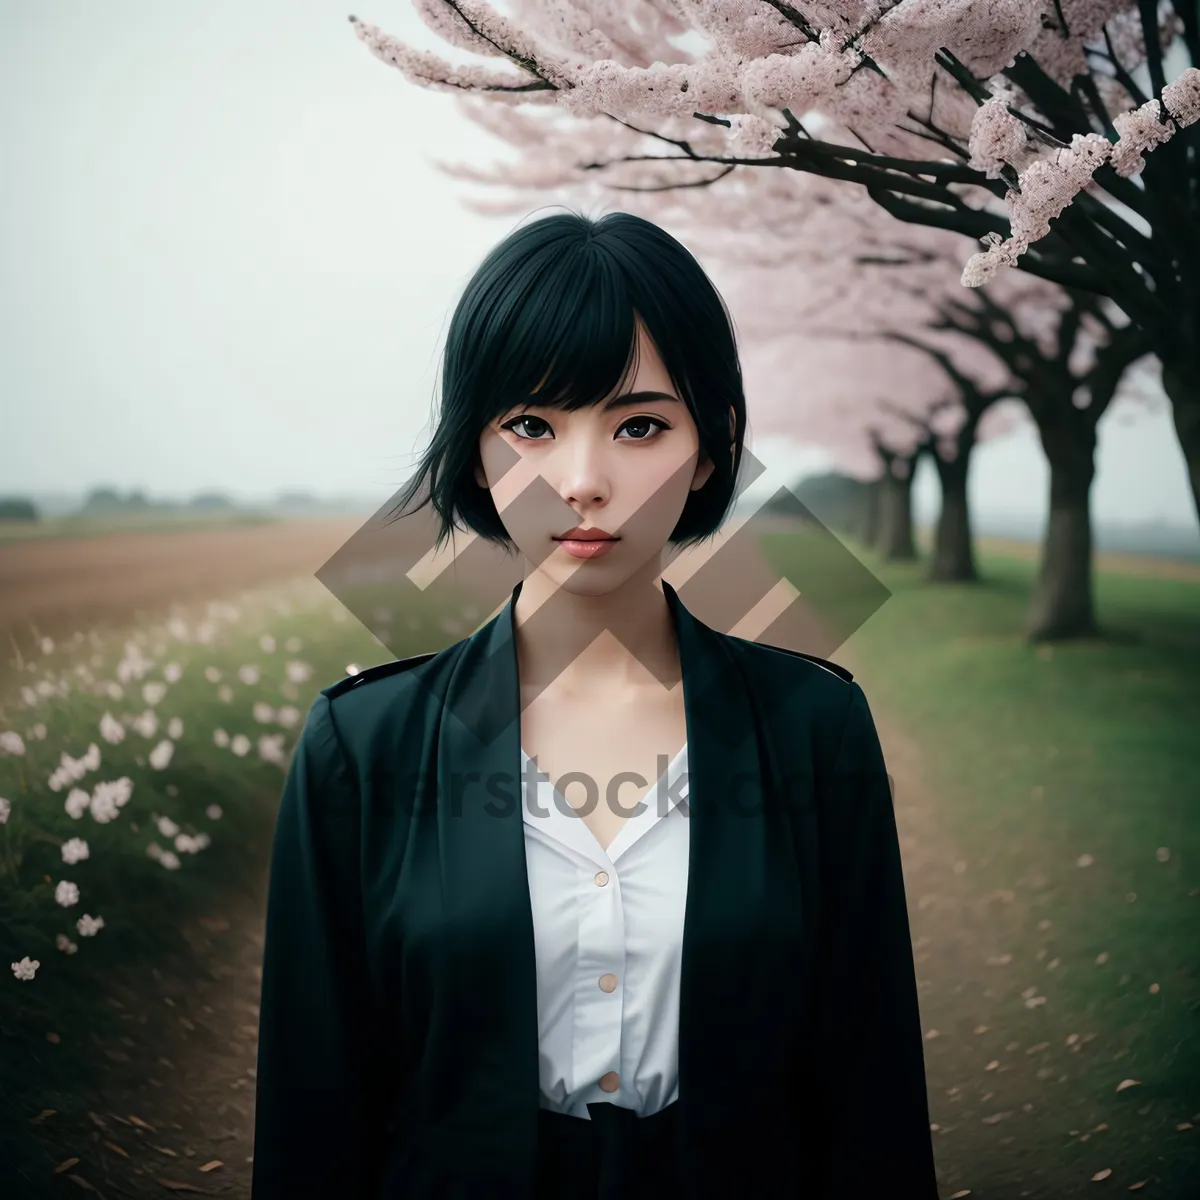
(140, 770)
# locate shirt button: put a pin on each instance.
(610, 1082)
(608, 983)
(601, 878)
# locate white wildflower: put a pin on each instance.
(225, 693)
(5, 809)
(212, 674)
(270, 747)
(166, 827)
(111, 730)
(213, 812)
(26, 968)
(287, 715)
(65, 944)
(161, 754)
(152, 693)
(103, 806)
(220, 738)
(172, 672)
(299, 672)
(248, 675)
(240, 745)
(74, 850)
(89, 925)
(264, 714)
(146, 724)
(170, 860)
(117, 791)
(66, 893)
(293, 645)
(175, 728)
(11, 743)
(47, 645)
(77, 802)
(267, 642)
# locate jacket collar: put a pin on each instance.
(485, 887)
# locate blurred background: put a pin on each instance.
(229, 253)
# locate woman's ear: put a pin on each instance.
(480, 477)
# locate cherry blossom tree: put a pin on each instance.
(1060, 133)
(878, 409)
(811, 261)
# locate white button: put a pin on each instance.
(600, 878)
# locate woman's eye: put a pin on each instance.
(641, 427)
(539, 425)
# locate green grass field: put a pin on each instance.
(1034, 758)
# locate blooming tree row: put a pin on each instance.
(1060, 133)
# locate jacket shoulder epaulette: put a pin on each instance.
(836, 668)
(378, 672)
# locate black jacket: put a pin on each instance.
(398, 1042)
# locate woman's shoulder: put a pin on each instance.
(390, 701)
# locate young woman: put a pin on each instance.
(599, 901)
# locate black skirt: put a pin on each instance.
(617, 1155)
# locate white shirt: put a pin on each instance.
(608, 935)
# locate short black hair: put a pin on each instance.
(553, 308)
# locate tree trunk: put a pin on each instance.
(896, 533)
(1181, 382)
(953, 552)
(870, 512)
(1062, 605)
(953, 548)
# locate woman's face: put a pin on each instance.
(622, 468)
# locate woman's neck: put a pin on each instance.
(619, 640)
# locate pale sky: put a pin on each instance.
(228, 262)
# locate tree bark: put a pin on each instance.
(953, 551)
(870, 512)
(1062, 606)
(896, 542)
(953, 548)
(1181, 382)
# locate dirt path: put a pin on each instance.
(178, 1090)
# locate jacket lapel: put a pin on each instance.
(492, 984)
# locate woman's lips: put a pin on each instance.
(582, 548)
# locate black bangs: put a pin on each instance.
(567, 339)
(549, 319)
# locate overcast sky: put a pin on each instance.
(228, 262)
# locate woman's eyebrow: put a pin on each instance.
(635, 397)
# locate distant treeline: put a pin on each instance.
(18, 508)
(836, 500)
(111, 502)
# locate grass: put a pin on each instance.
(1036, 757)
